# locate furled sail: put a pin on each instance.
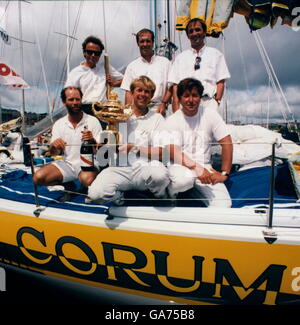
(258, 13)
(216, 13)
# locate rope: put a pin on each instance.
(273, 78)
(177, 199)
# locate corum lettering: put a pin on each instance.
(272, 276)
(40, 237)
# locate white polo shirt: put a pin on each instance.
(72, 136)
(213, 68)
(196, 133)
(92, 82)
(157, 70)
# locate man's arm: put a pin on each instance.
(151, 153)
(220, 90)
(175, 102)
(227, 151)
(113, 82)
(164, 103)
(183, 159)
(128, 97)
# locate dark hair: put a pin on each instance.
(93, 39)
(194, 20)
(189, 84)
(63, 92)
(142, 31)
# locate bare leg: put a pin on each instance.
(87, 178)
(47, 176)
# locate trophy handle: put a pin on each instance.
(106, 66)
(95, 112)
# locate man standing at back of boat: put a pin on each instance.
(200, 62)
(67, 135)
(153, 66)
(90, 75)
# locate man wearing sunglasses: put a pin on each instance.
(90, 74)
(153, 66)
(200, 62)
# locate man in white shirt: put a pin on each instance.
(191, 130)
(90, 75)
(143, 170)
(67, 136)
(153, 66)
(201, 62)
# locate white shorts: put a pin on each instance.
(69, 171)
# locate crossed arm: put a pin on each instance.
(205, 176)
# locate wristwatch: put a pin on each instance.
(224, 173)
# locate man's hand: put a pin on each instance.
(87, 136)
(203, 174)
(217, 177)
(109, 80)
(161, 109)
(57, 146)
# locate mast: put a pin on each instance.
(22, 64)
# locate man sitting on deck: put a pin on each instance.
(143, 170)
(67, 135)
(192, 129)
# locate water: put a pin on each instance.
(27, 287)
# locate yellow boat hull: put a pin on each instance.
(131, 256)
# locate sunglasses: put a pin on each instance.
(197, 29)
(197, 63)
(90, 52)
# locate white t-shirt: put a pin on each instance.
(72, 136)
(157, 70)
(142, 131)
(194, 134)
(212, 69)
(92, 82)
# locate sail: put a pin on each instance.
(215, 13)
(44, 125)
(257, 13)
(8, 77)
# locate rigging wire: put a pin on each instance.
(42, 61)
(4, 12)
(274, 80)
(271, 78)
(275, 77)
(63, 71)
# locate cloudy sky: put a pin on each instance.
(249, 97)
